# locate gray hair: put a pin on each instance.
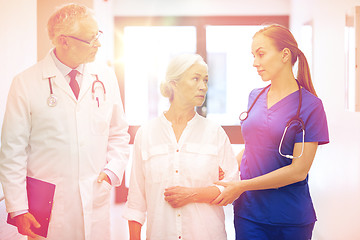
(64, 21)
(175, 70)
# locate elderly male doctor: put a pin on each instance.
(65, 130)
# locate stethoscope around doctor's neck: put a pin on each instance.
(296, 119)
(52, 99)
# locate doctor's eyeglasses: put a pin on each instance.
(91, 43)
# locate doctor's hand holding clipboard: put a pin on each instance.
(25, 224)
(40, 199)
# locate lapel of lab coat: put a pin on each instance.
(57, 79)
(88, 79)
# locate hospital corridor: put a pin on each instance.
(137, 41)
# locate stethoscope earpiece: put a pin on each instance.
(94, 84)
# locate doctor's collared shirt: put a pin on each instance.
(64, 70)
(159, 162)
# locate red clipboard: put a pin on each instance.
(40, 198)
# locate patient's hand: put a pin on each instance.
(178, 196)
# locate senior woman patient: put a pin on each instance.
(176, 160)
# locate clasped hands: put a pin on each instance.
(231, 192)
(180, 196)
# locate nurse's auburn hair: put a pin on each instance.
(283, 38)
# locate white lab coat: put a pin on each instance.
(68, 145)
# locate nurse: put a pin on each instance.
(272, 198)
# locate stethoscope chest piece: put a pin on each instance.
(52, 101)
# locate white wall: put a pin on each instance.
(104, 14)
(200, 7)
(18, 51)
(335, 175)
(17, 41)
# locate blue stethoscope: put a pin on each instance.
(244, 115)
(52, 99)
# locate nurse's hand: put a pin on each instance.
(221, 174)
(24, 222)
(178, 196)
(232, 191)
(103, 176)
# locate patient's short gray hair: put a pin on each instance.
(176, 68)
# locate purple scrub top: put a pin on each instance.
(262, 132)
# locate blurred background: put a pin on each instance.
(140, 36)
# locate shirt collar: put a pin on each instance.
(194, 119)
(190, 122)
(64, 70)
